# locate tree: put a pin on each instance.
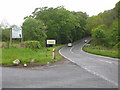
(98, 36)
(105, 26)
(62, 24)
(34, 30)
(114, 35)
(5, 34)
(91, 23)
(79, 30)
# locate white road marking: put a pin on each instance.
(105, 61)
(116, 84)
(71, 50)
(101, 76)
(65, 56)
(99, 55)
(102, 57)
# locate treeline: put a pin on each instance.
(52, 23)
(55, 23)
(68, 26)
(104, 27)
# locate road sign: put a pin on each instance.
(16, 32)
(52, 42)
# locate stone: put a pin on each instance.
(17, 61)
(25, 65)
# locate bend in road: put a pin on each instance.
(104, 67)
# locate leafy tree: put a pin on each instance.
(62, 24)
(114, 36)
(5, 34)
(98, 36)
(34, 30)
(79, 30)
(104, 27)
(91, 23)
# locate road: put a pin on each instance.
(101, 66)
(79, 70)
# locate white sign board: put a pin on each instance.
(51, 42)
(16, 32)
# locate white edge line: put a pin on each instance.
(91, 54)
(71, 49)
(116, 84)
(95, 55)
(99, 55)
(65, 56)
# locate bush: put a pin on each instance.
(32, 44)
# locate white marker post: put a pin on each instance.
(53, 54)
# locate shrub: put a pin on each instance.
(32, 44)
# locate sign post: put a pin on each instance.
(10, 38)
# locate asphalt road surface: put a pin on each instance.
(85, 71)
(101, 66)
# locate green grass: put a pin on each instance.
(0, 55)
(98, 50)
(42, 55)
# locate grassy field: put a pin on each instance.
(42, 55)
(98, 50)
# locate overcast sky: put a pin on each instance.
(13, 11)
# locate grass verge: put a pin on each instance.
(98, 50)
(42, 55)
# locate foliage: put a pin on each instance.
(91, 23)
(34, 30)
(104, 27)
(114, 36)
(52, 23)
(5, 34)
(98, 36)
(62, 25)
(32, 44)
(79, 30)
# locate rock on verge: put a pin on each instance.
(17, 61)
